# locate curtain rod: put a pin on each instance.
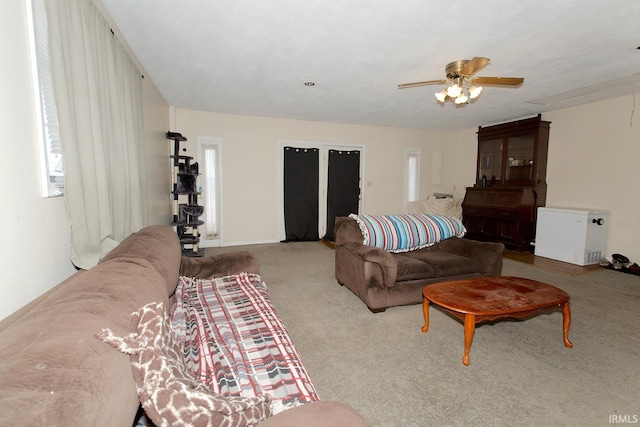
(114, 34)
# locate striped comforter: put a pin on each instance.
(235, 343)
(404, 232)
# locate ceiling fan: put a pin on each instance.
(462, 86)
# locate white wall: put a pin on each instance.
(34, 242)
(593, 160)
(466, 157)
(31, 225)
(156, 180)
(250, 150)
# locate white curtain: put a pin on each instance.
(98, 91)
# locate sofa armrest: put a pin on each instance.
(488, 254)
(379, 257)
(347, 230)
(219, 265)
(323, 413)
(354, 258)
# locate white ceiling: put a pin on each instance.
(253, 57)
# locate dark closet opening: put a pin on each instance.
(343, 186)
(301, 181)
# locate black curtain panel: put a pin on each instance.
(343, 186)
(301, 180)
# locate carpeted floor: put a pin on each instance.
(520, 374)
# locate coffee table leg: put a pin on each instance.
(425, 310)
(469, 329)
(566, 324)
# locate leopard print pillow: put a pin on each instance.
(170, 395)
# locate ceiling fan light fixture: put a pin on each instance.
(460, 80)
(461, 99)
(474, 91)
(454, 90)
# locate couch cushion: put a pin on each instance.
(159, 245)
(425, 264)
(401, 233)
(410, 268)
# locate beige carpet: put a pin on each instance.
(520, 374)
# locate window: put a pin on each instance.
(210, 157)
(412, 175)
(52, 166)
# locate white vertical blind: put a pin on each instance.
(50, 129)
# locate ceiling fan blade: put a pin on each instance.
(416, 84)
(498, 81)
(476, 64)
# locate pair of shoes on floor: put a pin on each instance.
(634, 268)
(620, 261)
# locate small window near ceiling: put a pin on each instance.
(412, 175)
(52, 166)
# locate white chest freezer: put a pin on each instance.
(577, 236)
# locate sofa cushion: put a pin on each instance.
(401, 233)
(170, 395)
(159, 245)
(410, 268)
(425, 264)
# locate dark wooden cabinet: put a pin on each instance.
(497, 214)
(510, 183)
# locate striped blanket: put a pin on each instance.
(235, 343)
(402, 233)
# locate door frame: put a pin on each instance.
(323, 160)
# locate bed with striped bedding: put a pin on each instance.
(235, 342)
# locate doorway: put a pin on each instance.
(301, 186)
(343, 186)
(337, 179)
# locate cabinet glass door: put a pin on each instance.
(519, 162)
(490, 160)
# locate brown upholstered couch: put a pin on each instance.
(55, 372)
(383, 279)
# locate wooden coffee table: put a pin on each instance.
(491, 298)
